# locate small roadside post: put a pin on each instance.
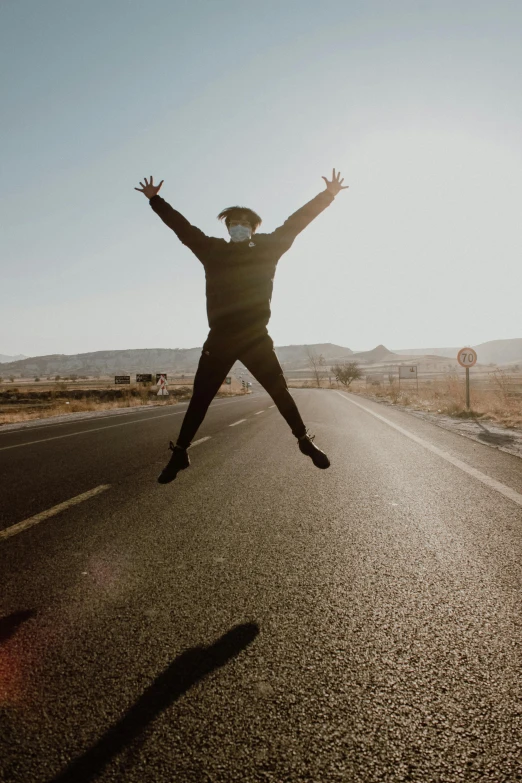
(467, 358)
(408, 372)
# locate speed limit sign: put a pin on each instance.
(467, 357)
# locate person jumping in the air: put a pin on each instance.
(239, 280)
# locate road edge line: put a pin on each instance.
(488, 481)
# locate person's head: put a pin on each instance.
(241, 222)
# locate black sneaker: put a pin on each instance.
(179, 461)
(307, 446)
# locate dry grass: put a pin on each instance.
(500, 401)
(296, 383)
(131, 397)
(448, 396)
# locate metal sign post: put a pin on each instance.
(410, 372)
(467, 358)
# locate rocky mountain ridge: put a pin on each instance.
(169, 360)
(185, 360)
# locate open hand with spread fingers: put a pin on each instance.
(149, 189)
(335, 185)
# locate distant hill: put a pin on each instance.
(379, 354)
(108, 362)
(185, 360)
(295, 356)
(169, 360)
(451, 353)
(500, 351)
(492, 352)
(4, 358)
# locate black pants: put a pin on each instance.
(219, 354)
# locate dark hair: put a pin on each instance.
(235, 213)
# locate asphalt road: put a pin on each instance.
(259, 619)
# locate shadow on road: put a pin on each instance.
(184, 672)
(494, 438)
(10, 624)
(497, 439)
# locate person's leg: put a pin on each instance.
(260, 359)
(214, 366)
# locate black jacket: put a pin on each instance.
(240, 275)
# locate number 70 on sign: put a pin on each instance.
(467, 357)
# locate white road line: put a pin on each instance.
(201, 440)
(271, 406)
(490, 482)
(51, 512)
(98, 429)
(237, 422)
(258, 412)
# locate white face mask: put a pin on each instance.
(239, 233)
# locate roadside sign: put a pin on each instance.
(161, 383)
(122, 379)
(467, 357)
(161, 375)
(228, 379)
(408, 372)
(144, 378)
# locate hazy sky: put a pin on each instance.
(419, 104)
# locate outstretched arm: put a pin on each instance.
(191, 236)
(300, 219)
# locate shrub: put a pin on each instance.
(347, 372)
